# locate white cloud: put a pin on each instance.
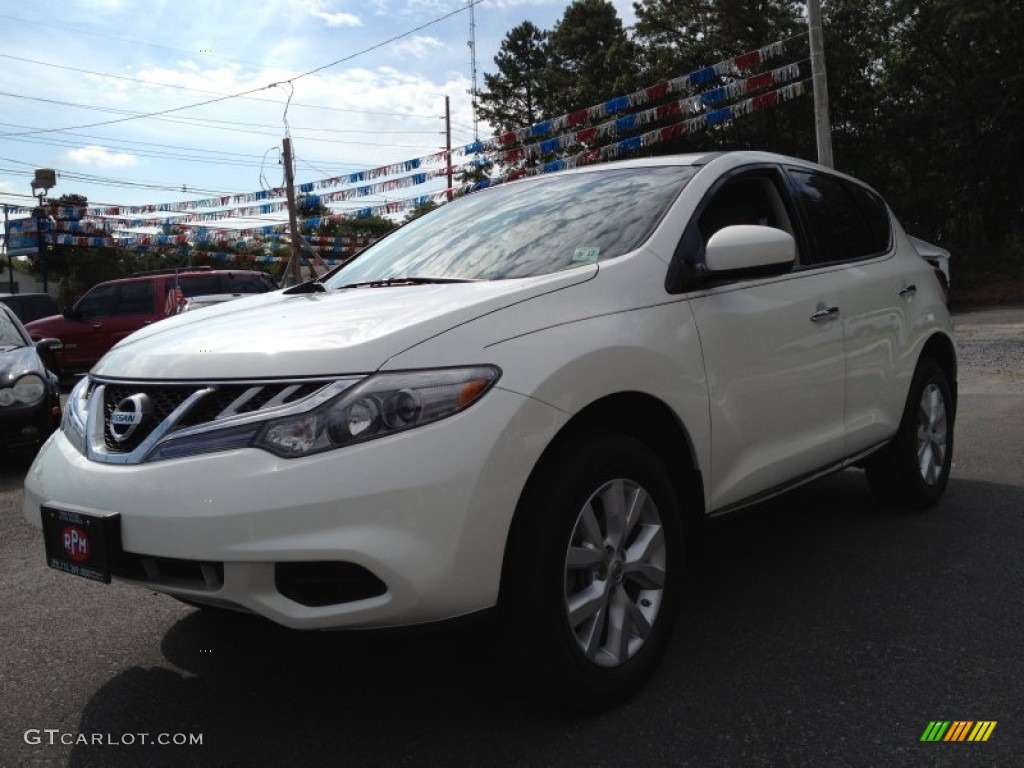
(99, 156)
(419, 47)
(321, 9)
(339, 19)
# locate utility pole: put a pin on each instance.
(448, 144)
(43, 181)
(472, 66)
(7, 247)
(293, 222)
(822, 126)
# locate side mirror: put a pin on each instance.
(48, 349)
(749, 247)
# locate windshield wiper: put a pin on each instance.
(407, 281)
(310, 286)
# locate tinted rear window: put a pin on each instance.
(199, 285)
(844, 221)
(245, 282)
(29, 308)
(225, 282)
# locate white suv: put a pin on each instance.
(527, 399)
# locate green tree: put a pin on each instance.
(591, 58)
(954, 110)
(680, 36)
(677, 37)
(419, 210)
(858, 46)
(512, 97)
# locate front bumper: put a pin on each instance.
(426, 512)
(27, 426)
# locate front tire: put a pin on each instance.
(595, 558)
(913, 470)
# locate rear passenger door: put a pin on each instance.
(850, 227)
(773, 351)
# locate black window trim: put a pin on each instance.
(808, 240)
(686, 271)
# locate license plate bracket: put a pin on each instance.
(81, 543)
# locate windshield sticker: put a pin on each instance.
(585, 255)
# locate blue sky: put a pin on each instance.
(89, 61)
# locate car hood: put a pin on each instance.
(17, 362)
(350, 331)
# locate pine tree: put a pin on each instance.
(512, 97)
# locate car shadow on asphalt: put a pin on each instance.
(812, 619)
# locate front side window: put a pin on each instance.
(99, 302)
(753, 200)
(521, 230)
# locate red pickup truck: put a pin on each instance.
(112, 310)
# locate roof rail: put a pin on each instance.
(149, 272)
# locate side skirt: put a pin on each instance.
(802, 480)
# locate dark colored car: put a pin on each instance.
(30, 306)
(112, 310)
(29, 395)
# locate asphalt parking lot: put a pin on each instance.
(819, 631)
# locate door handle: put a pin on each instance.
(825, 313)
(908, 290)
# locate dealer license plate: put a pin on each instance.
(80, 543)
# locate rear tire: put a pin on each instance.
(913, 470)
(594, 563)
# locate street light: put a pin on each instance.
(45, 180)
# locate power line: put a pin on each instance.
(136, 141)
(212, 93)
(124, 39)
(203, 122)
(258, 89)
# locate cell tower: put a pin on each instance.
(472, 65)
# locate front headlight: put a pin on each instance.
(75, 414)
(26, 390)
(378, 406)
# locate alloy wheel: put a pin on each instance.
(615, 572)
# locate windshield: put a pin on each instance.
(10, 335)
(520, 230)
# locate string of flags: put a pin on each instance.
(612, 151)
(693, 105)
(688, 83)
(622, 148)
(701, 110)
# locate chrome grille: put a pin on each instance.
(165, 400)
(204, 404)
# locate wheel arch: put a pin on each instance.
(645, 418)
(939, 347)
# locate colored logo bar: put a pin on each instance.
(958, 730)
